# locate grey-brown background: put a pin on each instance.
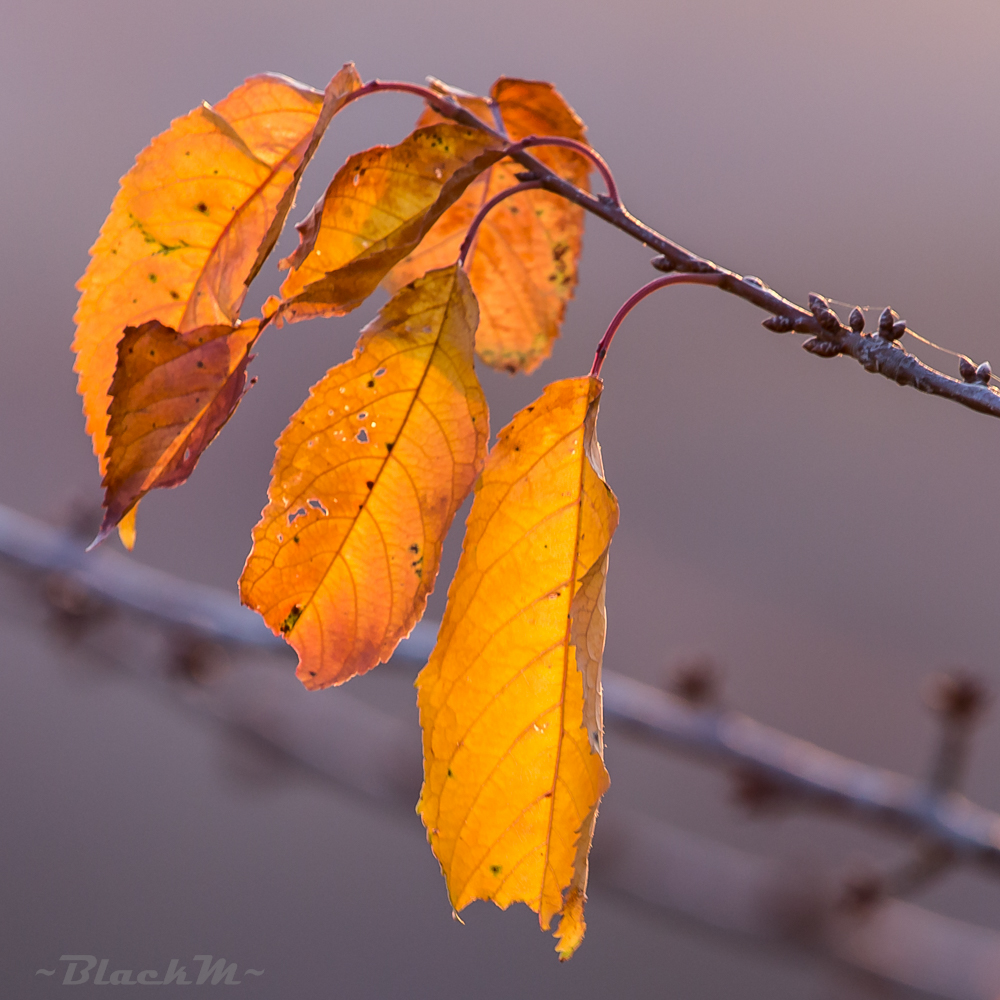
(828, 537)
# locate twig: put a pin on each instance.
(207, 611)
(958, 700)
(830, 337)
(722, 737)
(477, 221)
(760, 900)
(580, 147)
(876, 353)
(634, 299)
(806, 771)
(377, 757)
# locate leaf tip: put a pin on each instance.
(126, 529)
(270, 311)
(125, 526)
(572, 926)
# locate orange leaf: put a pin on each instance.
(524, 264)
(510, 701)
(172, 393)
(193, 221)
(366, 480)
(126, 529)
(379, 206)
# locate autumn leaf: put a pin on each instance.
(366, 480)
(524, 263)
(171, 394)
(126, 529)
(378, 207)
(510, 701)
(194, 220)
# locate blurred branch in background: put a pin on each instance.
(220, 661)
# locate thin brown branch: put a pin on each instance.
(633, 300)
(477, 221)
(958, 700)
(801, 769)
(377, 757)
(879, 353)
(763, 901)
(582, 148)
(722, 737)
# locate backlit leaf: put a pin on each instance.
(524, 264)
(172, 392)
(510, 701)
(378, 207)
(194, 220)
(126, 529)
(366, 480)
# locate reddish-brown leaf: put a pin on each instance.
(172, 393)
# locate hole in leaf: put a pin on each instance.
(318, 505)
(362, 436)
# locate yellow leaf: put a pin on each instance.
(524, 264)
(172, 393)
(378, 207)
(510, 701)
(126, 529)
(366, 480)
(194, 220)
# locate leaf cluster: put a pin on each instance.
(371, 469)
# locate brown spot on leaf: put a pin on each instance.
(291, 618)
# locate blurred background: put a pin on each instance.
(826, 537)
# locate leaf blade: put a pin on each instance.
(378, 207)
(193, 220)
(171, 395)
(510, 699)
(366, 480)
(524, 265)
